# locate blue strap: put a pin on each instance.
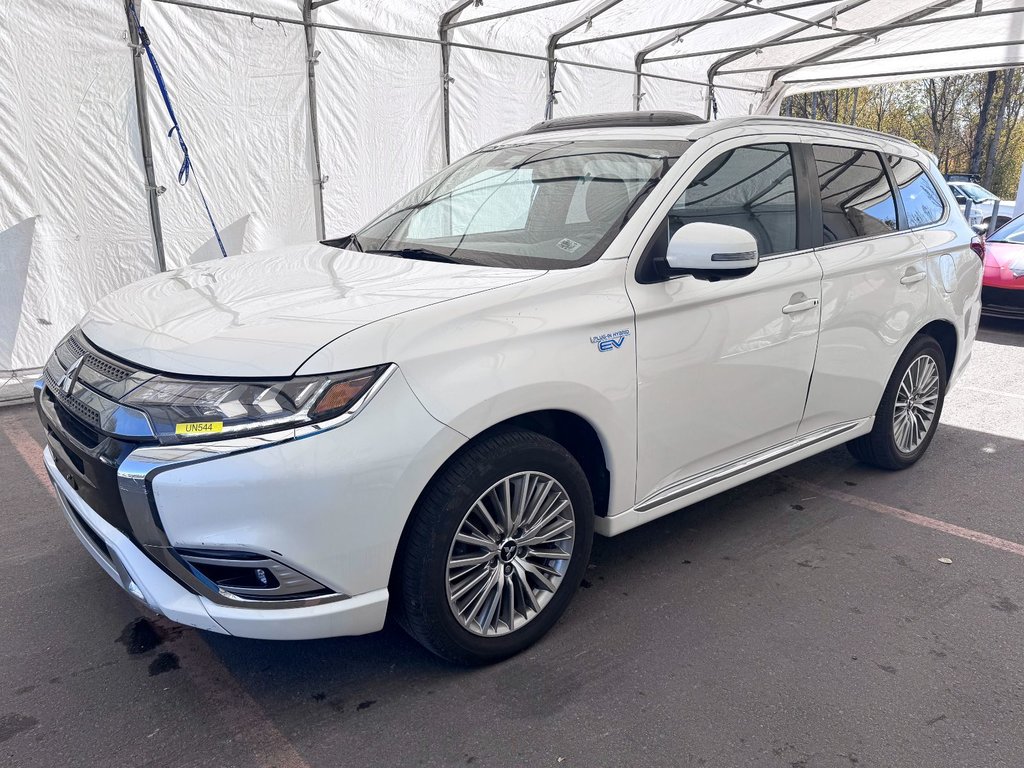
(186, 161)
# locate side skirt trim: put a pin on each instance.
(699, 482)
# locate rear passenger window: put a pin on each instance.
(921, 200)
(856, 199)
(750, 188)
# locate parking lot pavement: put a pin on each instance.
(804, 619)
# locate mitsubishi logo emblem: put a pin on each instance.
(69, 379)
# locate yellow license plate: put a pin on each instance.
(199, 428)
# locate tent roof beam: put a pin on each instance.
(511, 12)
(879, 57)
(698, 22)
(429, 41)
(783, 14)
(867, 32)
(888, 76)
(815, 58)
(679, 33)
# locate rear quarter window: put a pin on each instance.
(922, 202)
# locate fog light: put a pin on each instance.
(249, 575)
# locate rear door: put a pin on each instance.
(874, 292)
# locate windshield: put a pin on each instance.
(537, 205)
(975, 192)
(1013, 232)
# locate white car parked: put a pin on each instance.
(578, 328)
(983, 203)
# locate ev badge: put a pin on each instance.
(606, 342)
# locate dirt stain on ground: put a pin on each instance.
(140, 636)
(13, 724)
(165, 662)
(1006, 605)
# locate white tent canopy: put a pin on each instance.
(310, 116)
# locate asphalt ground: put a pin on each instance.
(801, 620)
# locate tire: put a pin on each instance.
(431, 578)
(888, 446)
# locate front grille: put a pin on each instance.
(72, 349)
(84, 412)
(92, 478)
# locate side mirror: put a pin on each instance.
(711, 251)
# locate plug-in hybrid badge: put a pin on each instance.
(606, 342)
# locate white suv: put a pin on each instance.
(578, 328)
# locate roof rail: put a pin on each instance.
(617, 120)
(774, 120)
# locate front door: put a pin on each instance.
(723, 367)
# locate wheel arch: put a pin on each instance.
(570, 430)
(944, 332)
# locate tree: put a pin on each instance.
(979, 133)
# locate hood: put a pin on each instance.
(264, 314)
(1008, 256)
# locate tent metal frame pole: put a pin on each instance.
(444, 38)
(815, 58)
(866, 32)
(436, 41)
(883, 56)
(781, 15)
(153, 191)
(674, 36)
(785, 35)
(698, 22)
(512, 12)
(318, 175)
(908, 72)
(555, 38)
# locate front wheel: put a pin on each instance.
(908, 415)
(496, 548)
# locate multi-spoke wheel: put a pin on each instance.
(510, 553)
(916, 400)
(909, 412)
(496, 548)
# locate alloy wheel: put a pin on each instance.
(510, 553)
(916, 402)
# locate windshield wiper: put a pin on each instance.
(344, 242)
(420, 254)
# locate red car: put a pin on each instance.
(1002, 291)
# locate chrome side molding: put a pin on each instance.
(702, 480)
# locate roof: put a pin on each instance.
(617, 124)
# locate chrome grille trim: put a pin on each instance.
(84, 412)
(93, 391)
(75, 347)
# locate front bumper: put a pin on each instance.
(330, 503)
(1003, 302)
(147, 582)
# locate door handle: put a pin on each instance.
(800, 306)
(915, 276)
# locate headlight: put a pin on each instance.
(185, 410)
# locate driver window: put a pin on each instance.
(749, 187)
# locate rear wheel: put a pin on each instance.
(496, 548)
(908, 415)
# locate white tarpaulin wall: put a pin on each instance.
(76, 217)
